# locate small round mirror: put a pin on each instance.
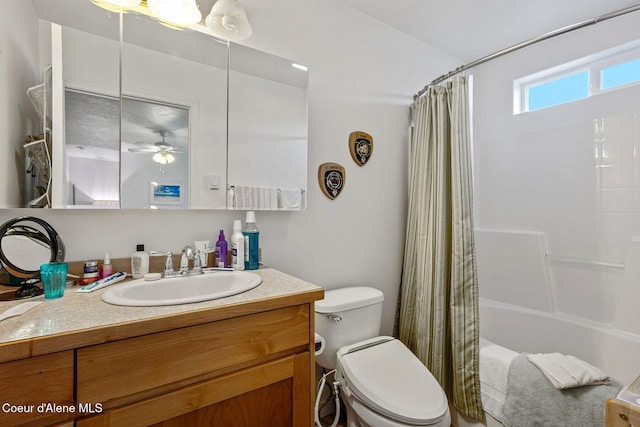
(25, 244)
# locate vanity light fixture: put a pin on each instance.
(299, 66)
(179, 13)
(116, 5)
(228, 21)
(173, 13)
(163, 157)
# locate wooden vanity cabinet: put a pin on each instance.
(248, 361)
(252, 370)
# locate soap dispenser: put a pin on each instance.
(222, 253)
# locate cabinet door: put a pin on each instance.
(37, 391)
(273, 394)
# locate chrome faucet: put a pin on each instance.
(188, 253)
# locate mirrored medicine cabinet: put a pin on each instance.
(143, 116)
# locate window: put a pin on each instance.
(558, 91)
(620, 74)
(611, 70)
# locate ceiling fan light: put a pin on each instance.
(180, 13)
(229, 21)
(163, 158)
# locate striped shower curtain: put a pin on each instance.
(438, 305)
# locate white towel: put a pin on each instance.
(241, 196)
(290, 198)
(258, 198)
(567, 371)
(270, 200)
(495, 361)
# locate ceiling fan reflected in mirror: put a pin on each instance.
(163, 151)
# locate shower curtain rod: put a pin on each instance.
(529, 42)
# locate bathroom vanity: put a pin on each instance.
(245, 360)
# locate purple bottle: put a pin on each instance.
(221, 251)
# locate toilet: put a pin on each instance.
(382, 383)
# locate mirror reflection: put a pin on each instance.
(181, 68)
(118, 103)
(155, 155)
(92, 123)
(154, 149)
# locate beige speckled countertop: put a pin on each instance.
(80, 319)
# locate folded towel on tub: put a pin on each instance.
(567, 371)
(494, 370)
(533, 401)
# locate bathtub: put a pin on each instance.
(531, 331)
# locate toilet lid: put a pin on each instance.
(389, 379)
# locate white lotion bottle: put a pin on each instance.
(139, 263)
(237, 246)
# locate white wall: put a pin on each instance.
(18, 65)
(362, 77)
(139, 171)
(89, 185)
(90, 62)
(557, 189)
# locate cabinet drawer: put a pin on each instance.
(30, 383)
(268, 394)
(123, 368)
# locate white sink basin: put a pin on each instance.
(181, 290)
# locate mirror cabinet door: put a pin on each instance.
(267, 131)
(137, 114)
(174, 117)
(80, 44)
(87, 175)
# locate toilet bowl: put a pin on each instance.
(382, 383)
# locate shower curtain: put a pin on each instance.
(438, 304)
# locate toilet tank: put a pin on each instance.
(346, 316)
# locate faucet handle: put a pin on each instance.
(168, 264)
(197, 262)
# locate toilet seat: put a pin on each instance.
(384, 374)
